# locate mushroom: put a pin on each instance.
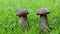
(23, 22)
(43, 19)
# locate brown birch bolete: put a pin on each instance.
(43, 19)
(23, 22)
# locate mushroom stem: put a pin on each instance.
(23, 22)
(43, 20)
(44, 23)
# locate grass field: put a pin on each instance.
(9, 20)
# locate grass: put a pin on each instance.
(9, 20)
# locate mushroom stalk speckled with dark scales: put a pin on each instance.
(23, 22)
(43, 20)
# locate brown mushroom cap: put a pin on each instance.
(43, 11)
(22, 12)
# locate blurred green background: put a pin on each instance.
(9, 20)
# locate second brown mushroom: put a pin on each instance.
(43, 19)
